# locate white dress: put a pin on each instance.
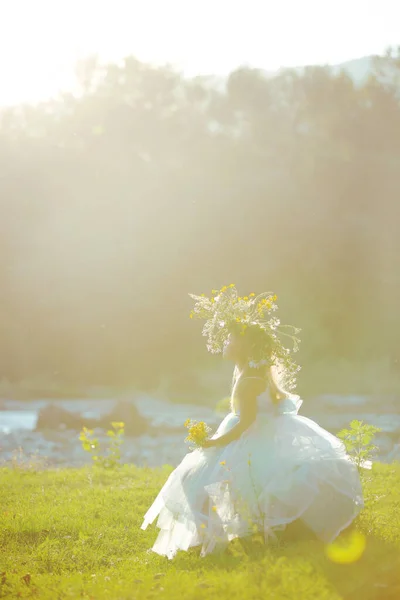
(282, 468)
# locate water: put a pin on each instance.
(162, 444)
(160, 414)
(163, 414)
(389, 423)
(17, 420)
(164, 441)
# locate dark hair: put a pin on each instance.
(257, 340)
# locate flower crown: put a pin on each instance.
(225, 312)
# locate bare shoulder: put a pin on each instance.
(250, 386)
(246, 391)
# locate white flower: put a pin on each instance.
(252, 364)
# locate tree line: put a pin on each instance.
(117, 202)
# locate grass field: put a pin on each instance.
(76, 534)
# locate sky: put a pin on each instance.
(41, 40)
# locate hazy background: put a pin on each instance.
(139, 183)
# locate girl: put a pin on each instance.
(266, 466)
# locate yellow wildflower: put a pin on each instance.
(223, 462)
(214, 508)
(198, 432)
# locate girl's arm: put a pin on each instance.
(247, 392)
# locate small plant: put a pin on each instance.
(358, 442)
(113, 453)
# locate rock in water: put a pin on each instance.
(56, 417)
(135, 423)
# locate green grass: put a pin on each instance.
(76, 534)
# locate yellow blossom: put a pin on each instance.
(214, 508)
(198, 432)
(223, 462)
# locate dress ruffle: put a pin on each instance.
(283, 467)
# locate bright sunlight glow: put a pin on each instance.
(41, 40)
